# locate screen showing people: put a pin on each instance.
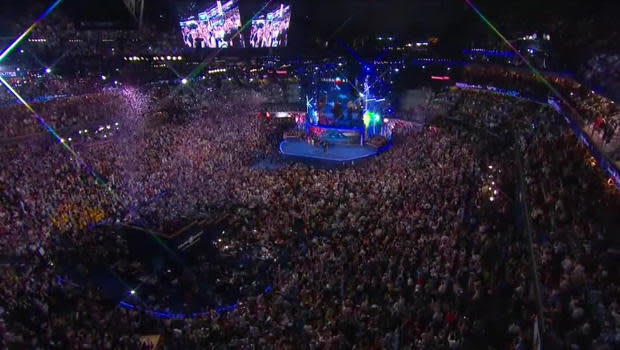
(270, 29)
(217, 27)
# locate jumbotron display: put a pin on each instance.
(270, 29)
(217, 27)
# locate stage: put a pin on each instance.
(335, 152)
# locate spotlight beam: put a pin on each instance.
(353, 53)
(538, 75)
(20, 38)
(55, 135)
(557, 94)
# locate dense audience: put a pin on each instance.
(573, 239)
(39, 87)
(596, 114)
(416, 248)
(65, 113)
(575, 242)
(204, 160)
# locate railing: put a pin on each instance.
(527, 231)
(601, 160)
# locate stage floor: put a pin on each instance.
(335, 152)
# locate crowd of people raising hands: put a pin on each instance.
(406, 250)
(344, 212)
(64, 113)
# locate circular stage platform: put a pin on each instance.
(335, 152)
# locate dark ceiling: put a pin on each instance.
(347, 19)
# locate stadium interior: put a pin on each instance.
(343, 174)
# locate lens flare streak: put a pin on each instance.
(20, 38)
(62, 141)
(525, 60)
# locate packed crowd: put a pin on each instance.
(573, 239)
(65, 113)
(38, 87)
(596, 114)
(588, 104)
(415, 248)
(205, 159)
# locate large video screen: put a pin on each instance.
(217, 27)
(270, 29)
